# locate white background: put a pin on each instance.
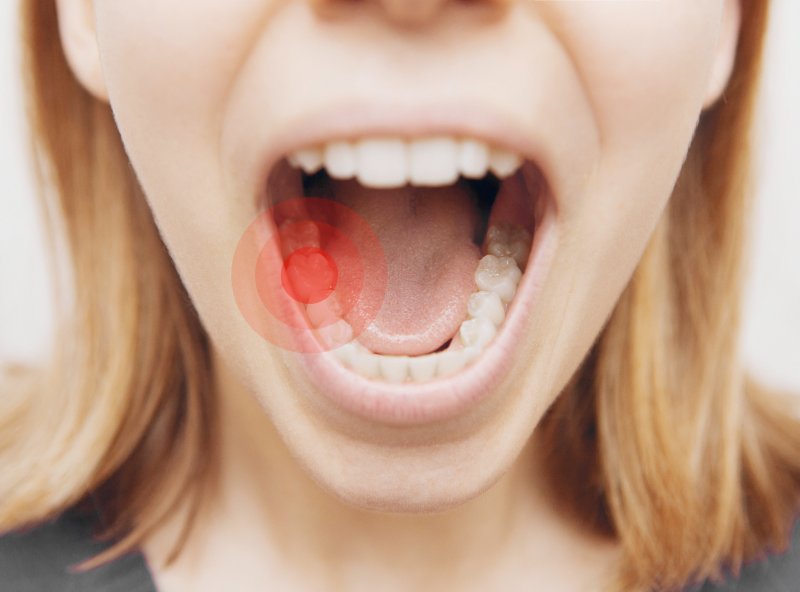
(771, 337)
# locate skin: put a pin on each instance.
(308, 500)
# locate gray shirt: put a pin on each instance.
(40, 560)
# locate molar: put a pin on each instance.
(477, 332)
(509, 241)
(486, 305)
(499, 275)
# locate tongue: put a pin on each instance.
(428, 236)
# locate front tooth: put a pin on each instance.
(499, 275)
(504, 162)
(382, 163)
(473, 159)
(422, 368)
(365, 363)
(433, 161)
(340, 160)
(450, 362)
(309, 159)
(486, 305)
(394, 368)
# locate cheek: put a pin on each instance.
(643, 64)
(644, 67)
(158, 46)
(168, 68)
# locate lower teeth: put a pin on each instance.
(497, 278)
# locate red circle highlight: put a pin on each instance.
(309, 275)
(309, 258)
(296, 234)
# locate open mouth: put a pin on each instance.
(458, 219)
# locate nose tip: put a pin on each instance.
(406, 12)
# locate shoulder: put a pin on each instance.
(776, 573)
(43, 559)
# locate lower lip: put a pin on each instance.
(444, 399)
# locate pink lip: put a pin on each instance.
(442, 399)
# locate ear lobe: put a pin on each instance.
(76, 26)
(725, 58)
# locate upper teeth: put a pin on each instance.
(393, 162)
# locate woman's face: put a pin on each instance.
(600, 101)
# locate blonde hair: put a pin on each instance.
(659, 440)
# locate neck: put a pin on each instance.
(267, 502)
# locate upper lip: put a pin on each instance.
(371, 120)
